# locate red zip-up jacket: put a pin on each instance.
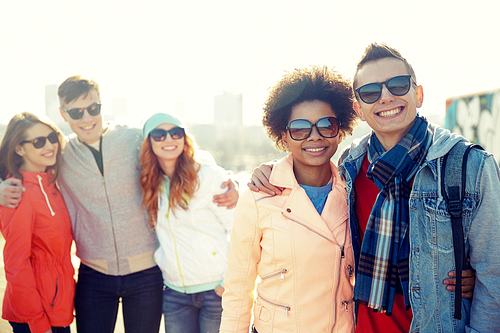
(38, 269)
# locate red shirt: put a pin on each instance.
(369, 321)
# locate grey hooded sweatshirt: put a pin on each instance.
(110, 226)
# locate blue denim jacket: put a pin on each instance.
(431, 241)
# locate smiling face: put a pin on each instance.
(37, 160)
(170, 149)
(88, 128)
(391, 117)
(315, 152)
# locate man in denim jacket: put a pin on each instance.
(402, 157)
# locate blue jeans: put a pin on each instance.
(191, 313)
(25, 328)
(98, 295)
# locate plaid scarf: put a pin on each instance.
(385, 250)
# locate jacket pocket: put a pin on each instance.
(47, 283)
(55, 294)
(286, 308)
(281, 273)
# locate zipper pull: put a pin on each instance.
(287, 308)
(344, 303)
(342, 254)
(282, 276)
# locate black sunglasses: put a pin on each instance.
(41, 140)
(77, 113)
(398, 86)
(159, 134)
(300, 129)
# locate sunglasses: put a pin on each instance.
(159, 134)
(41, 140)
(300, 129)
(77, 113)
(398, 86)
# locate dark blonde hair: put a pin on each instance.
(74, 87)
(376, 51)
(183, 184)
(308, 84)
(15, 133)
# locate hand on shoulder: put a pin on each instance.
(260, 179)
(11, 191)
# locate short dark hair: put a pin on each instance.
(74, 87)
(312, 83)
(376, 51)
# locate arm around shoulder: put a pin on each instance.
(214, 176)
(11, 191)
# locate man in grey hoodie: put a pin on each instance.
(99, 183)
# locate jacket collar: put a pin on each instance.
(282, 174)
(442, 142)
(32, 177)
(300, 210)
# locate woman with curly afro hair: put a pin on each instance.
(298, 244)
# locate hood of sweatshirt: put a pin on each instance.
(41, 179)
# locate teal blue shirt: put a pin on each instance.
(318, 195)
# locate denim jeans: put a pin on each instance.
(25, 328)
(191, 313)
(98, 295)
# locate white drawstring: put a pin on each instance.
(46, 198)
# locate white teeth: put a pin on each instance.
(169, 148)
(88, 127)
(390, 112)
(314, 149)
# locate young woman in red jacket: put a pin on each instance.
(38, 268)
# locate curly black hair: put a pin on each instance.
(312, 83)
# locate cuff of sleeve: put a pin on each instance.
(40, 325)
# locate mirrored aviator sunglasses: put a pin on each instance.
(398, 86)
(41, 140)
(300, 129)
(77, 113)
(159, 134)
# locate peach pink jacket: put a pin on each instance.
(304, 261)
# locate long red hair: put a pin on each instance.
(183, 184)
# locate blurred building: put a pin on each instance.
(228, 110)
(178, 108)
(52, 104)
(119, 111)
(476, 116)
(228, 121)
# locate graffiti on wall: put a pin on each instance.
(476, 117)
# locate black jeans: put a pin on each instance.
(25, 328)
(98, 295)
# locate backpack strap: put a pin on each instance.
(453, 180)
